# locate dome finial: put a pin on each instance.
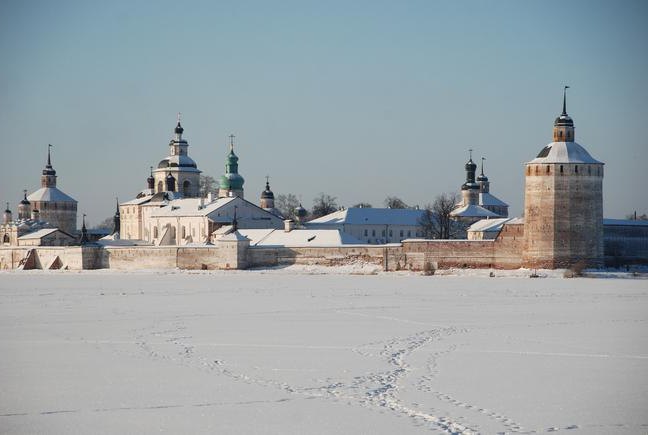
(231, 136)
(564, 112)
(49, 160)
(470, 154)
(482, 165)
(179, 130)
(267, 182)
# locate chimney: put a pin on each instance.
(35, 215)
(289, 225)
(210, 198)
(202, 203)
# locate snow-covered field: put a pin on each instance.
(280, 352)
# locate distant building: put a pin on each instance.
(373, 225)
(476, 200)
(163, 215)
(52, 204)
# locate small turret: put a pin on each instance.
(150, 181)
(7, 215)
(563, 125)
(267, 197)
(482, 180)
(48, 179)
(116, 219)
(231, 183)
(301, 213)
(24, 208)
(35, 215)
(470, 189)
(84, 232)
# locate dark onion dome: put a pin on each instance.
(469, 186)
(25, 201)
(170, 177)
(563, 121)
(179, 129)
(267, 193)
(7, 209)
(301, 211)
(471, 166)
(482, 177)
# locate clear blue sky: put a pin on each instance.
(356, 99)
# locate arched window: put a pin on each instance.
(589, 170)
(186, 187)
(560, 134)
(184, 232)
(155, 232)
(576, 169)
(548, 169)
(160, 186)
(561, 169)
(5, 239)
(528, 170)
(536, 170)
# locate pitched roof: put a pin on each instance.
(300, 237)
(472, 210)
(50, 194)
(42, 233)
(564, 152)
(371, 216)
(486, 198)
(488, 225)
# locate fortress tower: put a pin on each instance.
(53, 205)
(563, 202)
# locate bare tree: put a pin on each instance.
(287, 204)
(207, 184)
(436, 222)
(634, 216)
(105, 224)
(323, 205)
(362, 205)
(394, 202)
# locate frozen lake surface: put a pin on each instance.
(104, 352)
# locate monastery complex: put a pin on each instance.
(172, 224)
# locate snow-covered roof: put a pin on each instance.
(488, 225)
(233, 237)
(190, 207)
(109, 241)
(300, 238)
(564, 152)
(371, 216)
(472, 210)
(50, 194)
(625, 222)
(177, 163)
(486, 198)
(40, 234)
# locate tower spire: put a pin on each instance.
(482, 165)
(564, 112)
(49, 160)
(231, 136)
